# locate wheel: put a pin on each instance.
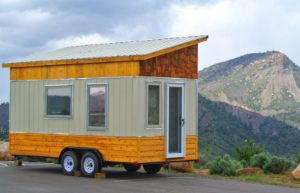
(70, 163)
(90, 165)
(152, 168)
(131, 168)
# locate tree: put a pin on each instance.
(3, 134)
(247, 150)
(297, 157)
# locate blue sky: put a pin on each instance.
(234, 27)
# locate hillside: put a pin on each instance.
(223, 126)
(4, 115)
(267, 83)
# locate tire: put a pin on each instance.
(131, 168)
(70, 162)
(90, 165)
(152, 168)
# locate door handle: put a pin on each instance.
(182, 122)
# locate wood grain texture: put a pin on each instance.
(112, 69)
(114, 149)
(180, 63)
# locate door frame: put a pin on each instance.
(183, 130)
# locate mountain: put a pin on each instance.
(4, 115)
(267, 83)
(223, 127)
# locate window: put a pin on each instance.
(153, 105)
(97, 107)
(58, 101)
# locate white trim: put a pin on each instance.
(183, 133)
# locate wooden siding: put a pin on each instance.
(182, 63)
(112, 69)
(114, 149)
(126, 107)
(152, 149)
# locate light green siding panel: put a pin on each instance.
(141, 109)
(76, 105)
(35, 114)
(116, 110)
(44, 126)
(82, 106)
(122, 108)
(128, 106)
(31, 106)
(135, 107)
(12, 107)
(22, 107)
(187, 108)
(111, 105)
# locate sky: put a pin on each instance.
(234, 27)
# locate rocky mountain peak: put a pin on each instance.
(267, 83)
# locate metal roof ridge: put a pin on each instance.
(132, 41)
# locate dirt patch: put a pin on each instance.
(181, 166)
(202, 172)
(4, 152)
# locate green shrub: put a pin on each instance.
(224, 166)
(247, 150)
(244, 163)
(203, 159)
(277, 165)
(288, 165)
(259, 160)
(297, 157)
(52, 160)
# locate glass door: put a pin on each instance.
(175, 120)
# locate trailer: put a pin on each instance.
(131, 103)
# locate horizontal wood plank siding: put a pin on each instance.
(112, 69)
(182, 63)
(152, 149)
(114, 149)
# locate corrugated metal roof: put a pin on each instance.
(108, 50)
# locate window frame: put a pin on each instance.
(154, 83)
(89, 128)
(46, 87)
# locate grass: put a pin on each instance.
(251, 178)
(52, 160)
(117, 166)
(284, 179)
(276, 183)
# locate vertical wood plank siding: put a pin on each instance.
(126, 107)
(111, 69)
(114, 149)
(181, 63)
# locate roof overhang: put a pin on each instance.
(107, 59)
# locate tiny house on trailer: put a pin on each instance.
(89, 106)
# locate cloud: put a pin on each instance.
(239, 27)
(77, 40)
(234, 27)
